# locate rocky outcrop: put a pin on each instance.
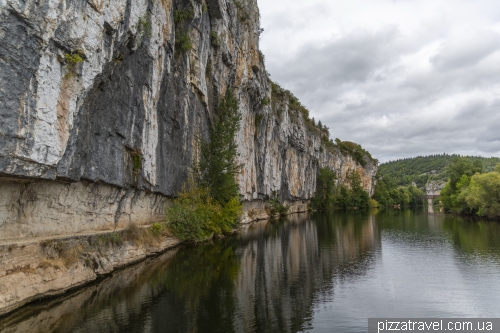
(35, 270)
(102, 103)
(434, 187)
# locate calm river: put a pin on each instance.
(307, 273)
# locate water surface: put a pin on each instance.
(307, 273)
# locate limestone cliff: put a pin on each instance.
(102, 101)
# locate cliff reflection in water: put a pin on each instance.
(267, 278)
(286, 267)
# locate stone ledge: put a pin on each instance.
(38, 267)
(46, 268)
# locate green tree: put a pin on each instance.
(211, 205)
(423, 169)
(387, 193)
(460, 166)
(218, 167)
(460, 171)
(343, 197)
(323, 198)
(484, 194)
(359, 197)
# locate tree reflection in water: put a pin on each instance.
(268, 278)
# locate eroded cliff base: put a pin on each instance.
(35, 270)
(38, 267)
(43, 208)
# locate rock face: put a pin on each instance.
(434, 187)
(102, 103)
(35, 270)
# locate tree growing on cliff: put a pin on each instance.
(218, 167)
(211, 204)
(324, 196)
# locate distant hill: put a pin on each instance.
(422, 169)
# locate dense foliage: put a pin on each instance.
(328, 195)
(388, 193)
(195, 215)
(324, 197)
(211, 203)
(469, 191)
(356, 151)
(423, 169)
(218, 167)
(275, 208)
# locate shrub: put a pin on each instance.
(229, 215)
(243, 15)
(356, 151)
(88, 262)
(252, 213)
(276, 91)
(374, 203)
(195, 215)
(215, 39)
(258, 120)
(156, 229)
(208, 69)
(73, 59)
(183, 14)
(144, 27)
(137, 158)
(113, 238)
(262, 58)
(182, 41)
(276, 208)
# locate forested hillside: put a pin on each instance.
(422, 169)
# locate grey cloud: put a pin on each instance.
(467, 51)
(358, 84)
(351, 58)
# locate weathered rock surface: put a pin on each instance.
(45, 208)
(39, 269)
(101, 107)
(72, 133)
(64, 313)
(434, 187)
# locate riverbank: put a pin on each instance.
(39, 267)
(308, 272)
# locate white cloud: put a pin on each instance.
(402, 78)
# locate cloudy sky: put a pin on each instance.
(400, 77)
